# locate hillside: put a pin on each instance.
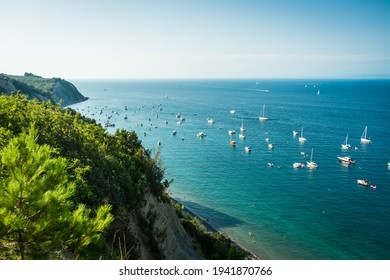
(101, 171)
(43, 89)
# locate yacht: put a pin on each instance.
(346, 160)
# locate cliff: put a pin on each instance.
(44, 89)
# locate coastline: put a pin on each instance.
(210, 229)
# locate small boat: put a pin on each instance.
(346, 160)
(311, 164)
(298, 165)
(248, 149)
(174, 132)
(242, 128)
(232, 111)
(301, 138)
(270, 146)
(210, 121)
(263, 117)
(201, 134)
(366, 183)
(364, 139)
(231, 132)
(345, 145)
(267, 140)
(295, 133)
(109, 124)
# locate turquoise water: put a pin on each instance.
(277, 213)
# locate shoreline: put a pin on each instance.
(211, 229)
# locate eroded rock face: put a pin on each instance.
(161, 235)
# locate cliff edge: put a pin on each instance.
(44, 89)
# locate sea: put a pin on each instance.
(257, 198)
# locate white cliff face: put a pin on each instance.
(165, 227)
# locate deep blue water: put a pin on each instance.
(277, 213)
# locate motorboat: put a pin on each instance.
(210, 121)
(201, 134)
(248, 149)
(232, 143)
(365, 183)
(231, 132)
(270, 146)
(346, 160)
(174, 132)
(295, 133)
(298, 165)
(232, 111)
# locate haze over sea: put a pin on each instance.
(277, 213)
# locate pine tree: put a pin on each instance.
(37, 218)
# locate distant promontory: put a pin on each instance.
(44, 89)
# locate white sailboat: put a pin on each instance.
(364, 138)
(311, 164)
(345, 145)
(301, 138)
(263, 117)
(242, 128)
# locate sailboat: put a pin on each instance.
(345, 145)
(301, 138)
(310, 164)
(242, 129)
(263, 117)
(364, 138)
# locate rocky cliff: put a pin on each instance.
(44, 89)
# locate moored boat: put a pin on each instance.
(345, 145)
(263, 117)
(311, 164)
(347, 160)
(298, 165)
(301, 138)
(365, 183)
(364, 139)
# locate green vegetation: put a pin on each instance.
(70, 190)
(98, 169)
(45, 89)
(35, 207)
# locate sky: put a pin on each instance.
(195, 39)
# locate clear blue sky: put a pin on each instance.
(195, 39)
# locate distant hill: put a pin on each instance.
(43, 89)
